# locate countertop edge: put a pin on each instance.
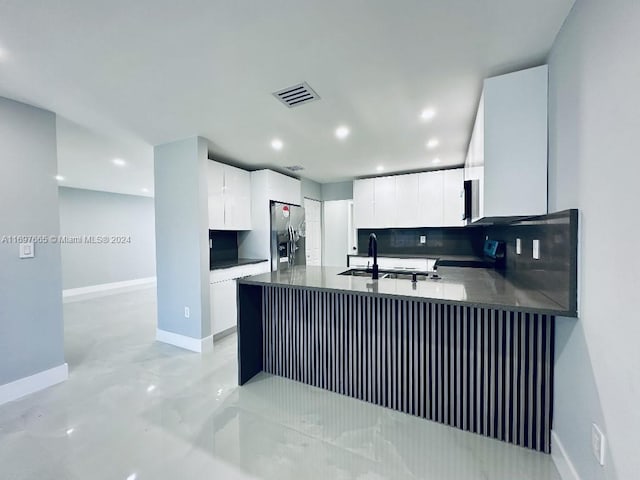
(239, 263)
(495, 306)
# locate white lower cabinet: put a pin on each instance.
(223, 292)
(224, 311)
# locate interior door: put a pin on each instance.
(335, 232)
(313, 209)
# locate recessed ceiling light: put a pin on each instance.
(342, 132)
(59, 178)
(70, 431)
(144, 190)
(119, 162)
(276, 144)
(133, 476)
(380, 168)
(428, 114)
(151, 388)
(436, 160)
(433, 143)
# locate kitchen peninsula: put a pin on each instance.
(472, 349)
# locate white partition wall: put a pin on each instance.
(182, 243)
(31, 328)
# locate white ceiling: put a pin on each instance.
(146, 72)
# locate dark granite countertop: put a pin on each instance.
(218, 264)
(458, 285)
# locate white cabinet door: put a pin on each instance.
(363, 209)
(384, 201)
(453, 198)
(243, 200)
(224, 311)
(430, 197)
(215, 183)
(408, 200)
(229, 197)
(282, 188)
(313, 240)
(237, 200)
(509, 143)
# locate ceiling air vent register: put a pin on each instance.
(294, 168)
(296, 95)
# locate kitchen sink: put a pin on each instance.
(362, 273)
(407, 276)
(354, 272)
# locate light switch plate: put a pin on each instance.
(518, 246)
(536, 249)
(27, 250)
(423, 239)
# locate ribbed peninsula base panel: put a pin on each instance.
(482, 370)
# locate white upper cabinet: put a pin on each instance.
(363, 208)
(508, 150)
(237, 193)
(384, 201)
(453, 198)
(429, 199)
(229, 197)
(408, 200)
(215, 184)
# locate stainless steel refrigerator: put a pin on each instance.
(287, 236)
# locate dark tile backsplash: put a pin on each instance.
(439, 241)
(224, 246)
(554, 274)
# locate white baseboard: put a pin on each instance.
(33, 383)
(198, 345)
(561, 459)
(93, 291)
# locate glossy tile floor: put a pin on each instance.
(135, 409)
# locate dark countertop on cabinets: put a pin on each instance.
(480, 287)
(218, 264)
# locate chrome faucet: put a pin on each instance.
(373, 252)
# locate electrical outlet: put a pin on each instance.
(536, 249)
(597, 443)
(518, 246)
(187, 312)
(423, 239)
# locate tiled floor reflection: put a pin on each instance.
(136, 409)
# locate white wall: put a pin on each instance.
(31, 328)
(337, 191)
(594, 126)
(310, 189)
(182, 237)
(88, 212)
